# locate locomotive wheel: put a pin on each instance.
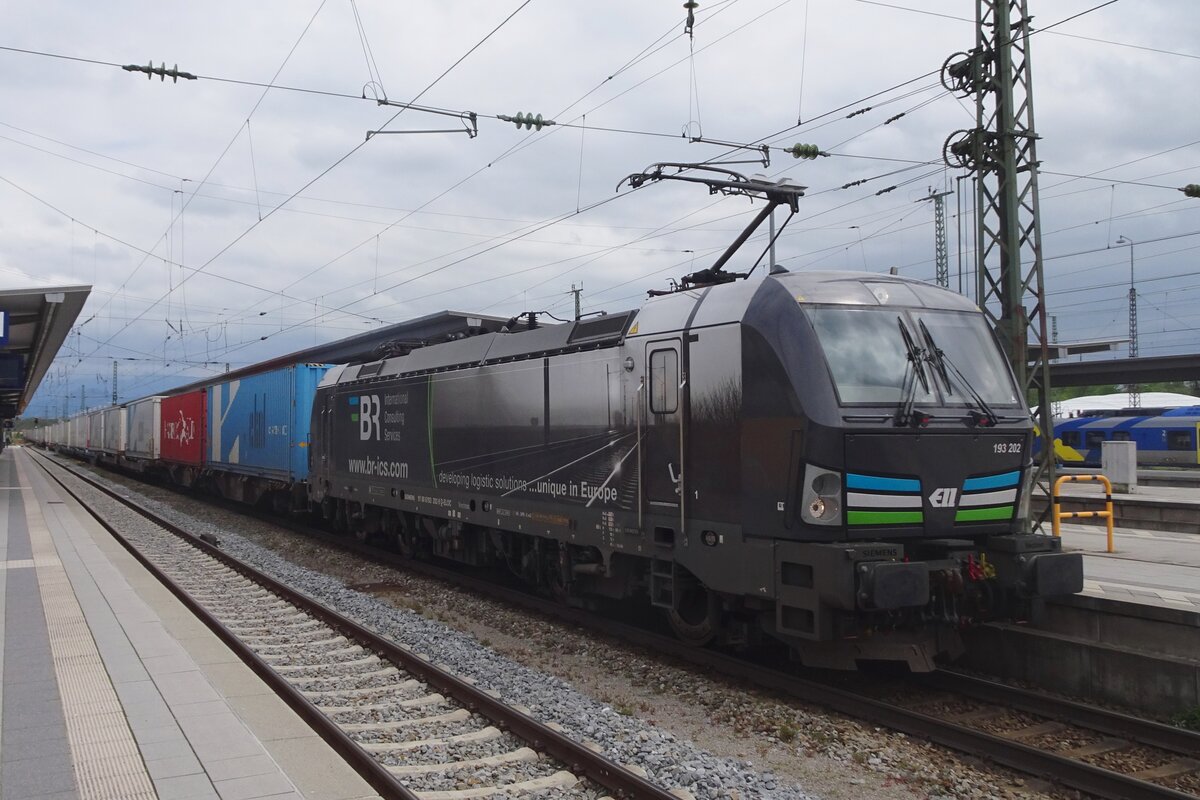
(553, 583)
(696, 618)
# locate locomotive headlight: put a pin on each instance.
(827, 484)
(822, 496)
(823, 509)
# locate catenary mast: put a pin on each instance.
(1002, 151)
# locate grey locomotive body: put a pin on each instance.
(836, 460)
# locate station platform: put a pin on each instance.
(1149, 567)
(112, 689)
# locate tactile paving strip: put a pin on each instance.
(106, 757)
(23, 563)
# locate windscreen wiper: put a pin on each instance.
(985, 417)
(913, 371)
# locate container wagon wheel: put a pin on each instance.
(696, 617)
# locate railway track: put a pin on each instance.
(1100, 752)
(412, 728)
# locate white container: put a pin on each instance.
(144, 421)
(93, 433)
(112, 436)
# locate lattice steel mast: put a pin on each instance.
(939, 231)
(1001, 149)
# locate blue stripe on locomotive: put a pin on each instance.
(259, 425)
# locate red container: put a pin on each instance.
(183, 428)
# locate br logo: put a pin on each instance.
(944, 498)
(364, 409)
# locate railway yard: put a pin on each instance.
(333, 490)
(430, 709)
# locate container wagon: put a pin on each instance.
(181, 436)
(112, 436)
(144, 422)
(258, 435)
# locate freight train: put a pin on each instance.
(1164, 437)
(838, 461)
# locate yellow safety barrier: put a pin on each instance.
(1058, 514)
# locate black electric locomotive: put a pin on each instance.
(837, 460)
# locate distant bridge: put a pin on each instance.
(1125, 371)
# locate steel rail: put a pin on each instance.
(575, 755)
(1113, 723)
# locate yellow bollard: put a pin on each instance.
(1057, 513)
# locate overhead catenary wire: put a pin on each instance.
(228, 146)
(353, 150)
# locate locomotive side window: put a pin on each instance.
(1094, 438)
(1179, 440)
(1070, 438)
(1120, 436)
(664, 381)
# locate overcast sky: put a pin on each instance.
(221, 222)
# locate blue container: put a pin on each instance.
(259, 425)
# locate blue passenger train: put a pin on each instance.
(1169, 438)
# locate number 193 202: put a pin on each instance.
(1006, 447)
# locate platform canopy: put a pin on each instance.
(34, 322)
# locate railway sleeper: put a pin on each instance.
(1172, 769)
(487, 734)
(299, 669)
(559, 780)
(415, 702)
(458, 715)
(363, 691)
(518, 756)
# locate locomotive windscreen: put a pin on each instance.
(868, 356)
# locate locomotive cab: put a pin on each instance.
(855, 449)
(913, 494)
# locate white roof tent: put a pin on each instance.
(34, 323)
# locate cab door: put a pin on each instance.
(665, 401)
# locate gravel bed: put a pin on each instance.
(1129, 760)
(1062, 741)
(636, 707)
(1009, 721)
(1189, 783)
